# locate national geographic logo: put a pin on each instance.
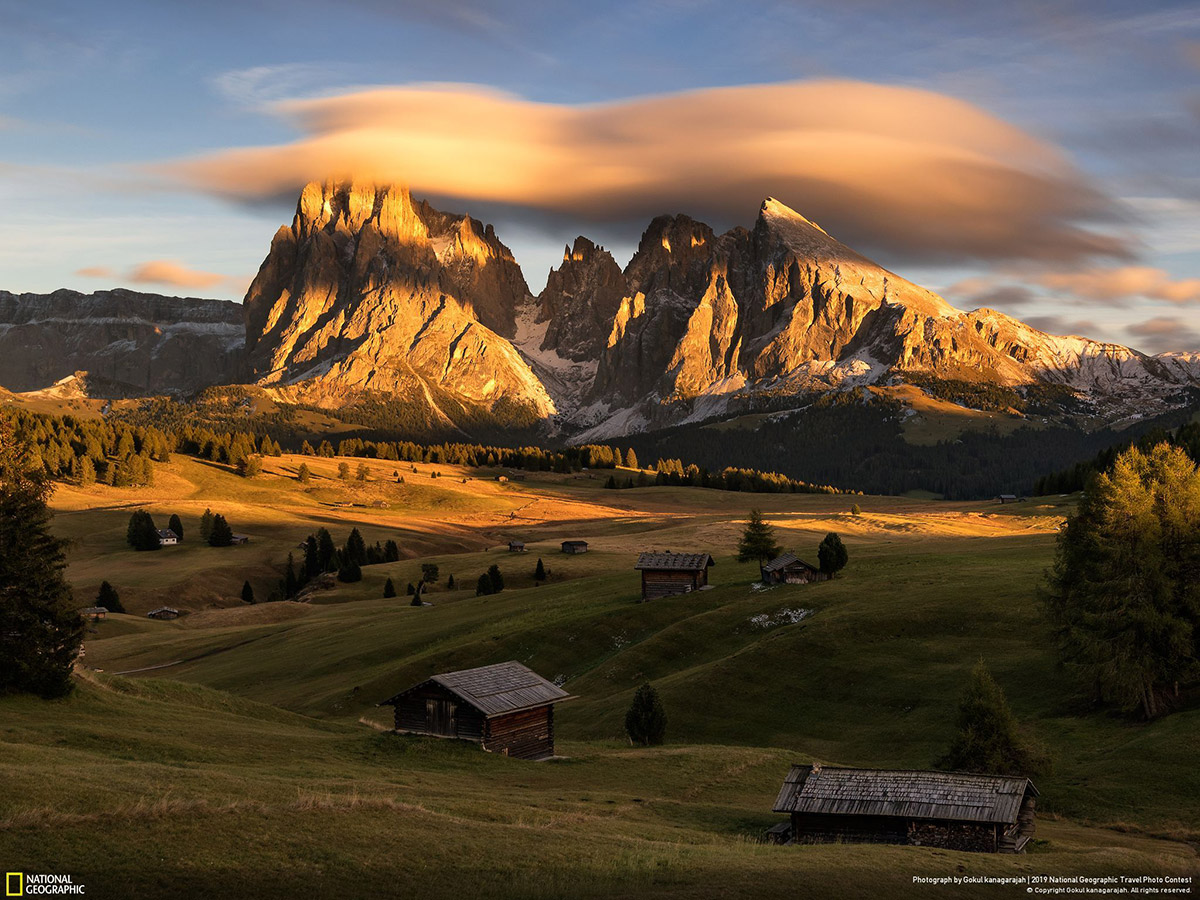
(20, 884)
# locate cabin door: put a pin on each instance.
(441, 718)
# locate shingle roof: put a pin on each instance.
(502, 688)
(686, 562)
(903, 793)
(782, 562)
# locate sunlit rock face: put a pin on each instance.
(579, 301)
(369, 291)
(128, 342)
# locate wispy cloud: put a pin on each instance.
(1163, 333)
(1120, 284)
(169, 273)
(887, 168)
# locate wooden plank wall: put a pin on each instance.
(526, 734)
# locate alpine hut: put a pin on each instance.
(790, 569)
(574, 546)
(952, 810)
(669, 573)
(505, 707)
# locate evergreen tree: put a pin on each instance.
(176, 525)
(758, 540)
(429, 572)
(247, 592)
(483, 586)
(389, 589)
(109, 598)
(142, 533)
(206, 525)
(40, 631)
(291, 583)
(362, 473)
(349, 571)
(416, 595)
(87, 471)
(304, 474)
(250, 466)
(411, 590)
(1124, 593)
(221, 534)
(391, 551)
(307, 449)
(326, 551)
(450, 583)
(646, 720)
(856, 510)
(344, 471)
(496, 579)
(539, 573)
(312, 559)
(987, 740)
(631, 460)
(356, 548)
(831, 554)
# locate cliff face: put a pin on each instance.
(368, 290)
(579, 302)
(141, 343)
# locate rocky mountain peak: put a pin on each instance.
(579, 301)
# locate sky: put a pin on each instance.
(1039, 158)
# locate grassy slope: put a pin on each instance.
(269, 800)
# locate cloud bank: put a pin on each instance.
(165, 272)
(901, 170)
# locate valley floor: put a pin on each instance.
(243, 754)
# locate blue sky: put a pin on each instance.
(1079, 211)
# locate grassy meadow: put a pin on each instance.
(241, 753)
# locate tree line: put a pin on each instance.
(1076, 476)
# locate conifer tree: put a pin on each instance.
(450, 583)
(539, 573)
(429, 572)
(176, 525)
(356, 548)
(349, 571)
(496, 579)
(109, 598)
(304, 474)
(247, 592)
(758, 540)
(206, 525)
(389, 589)
(646, 720)
(987, 740)
(291, 583)
(631, 460)
(483, 585)
(221, 534)
(40, 631)
(831, 554)
(142, 533)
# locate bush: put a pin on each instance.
(429, 573)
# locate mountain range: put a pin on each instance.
(369, 293)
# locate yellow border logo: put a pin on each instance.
(17, 878)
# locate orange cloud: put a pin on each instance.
(95, 272)
(165, 271)
(892, 168)
(1124, 282)
(1166, 333)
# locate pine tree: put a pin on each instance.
(247, 592)
(176, 525)
(483, 585)
(391, 551)
(416, 595)
(450, 583)
(646, 720)
(206, 525)
(539, 573)
(109, 598)
(987, 740)
(389, 589)
(142, 533)
(758, 540)
(356, 548)
(250, 466)
(291, 583)
(312, 560)
(40, 631)
(349, 571)
(1123, 596)
(304, 474)
(362, 473)
(831, 554)
(326, 551)
(221, 534)
(429, 573)
(87, 471)
(496, 579)
(631, 460)
(344, 471)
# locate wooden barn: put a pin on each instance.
(574, 547)
(506, 708)
(790, 569)
(669, 573)
(956, 811)
(163, 612)
(516, 546)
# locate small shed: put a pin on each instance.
(240, 539)
(574, 546)
(163, 612)
(790, 569)
(516, 546)
(1007, 498)
(952, 810)
(167, 538)
(94, 612)
(506, 707)
(666, 573)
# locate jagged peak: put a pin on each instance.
(772, 208)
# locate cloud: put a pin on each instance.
(168, 272)
(1120, 284)
(1191, 52)
(986, 290)
(1061, 325)
(895, 169)
(1163, 333)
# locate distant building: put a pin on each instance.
(94, 612)
(790, 569)
(167, 538)
(952, 810)
(516, 546)
(574, 546)
(669, 573)
(240, 539)
(505, 707)
(163, 612)
(1007, 498)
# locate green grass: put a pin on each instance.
(248, 766)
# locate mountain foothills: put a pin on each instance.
(373, 300)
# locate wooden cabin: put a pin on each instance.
(952, 810)
(95, 613)
(574, 546)
(669, 573)
(790, 569)
(506, 707)
(240, 539)
(516, 546)
(163, 612)
(167, 538)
